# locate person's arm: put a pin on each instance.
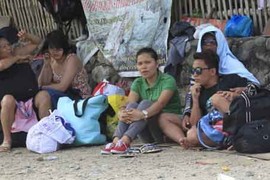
(7, 62)
(46, 74)
(73, 66)
(155, 108)
(195, 110)
(229, 95)
(24, 36)
(162, 101)
(188, 104)
(31, 40)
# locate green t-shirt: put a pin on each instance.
(163, 82)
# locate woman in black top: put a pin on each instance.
(18, 83)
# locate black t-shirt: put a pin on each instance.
(225, 83)
(20, 81)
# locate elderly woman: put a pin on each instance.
(63, 73)
(18, 85)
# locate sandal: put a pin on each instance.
(150, 148)
(5, 147)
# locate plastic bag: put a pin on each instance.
(239, 26)
(107, 89)
(116, 101)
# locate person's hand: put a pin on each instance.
(47, 58)
(238, 89)
(135, 114)
(195, 90)
(228, 95)
(123, 116)
(22, 35)
(185, 123)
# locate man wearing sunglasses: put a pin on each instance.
(212, 38)
(206, 83)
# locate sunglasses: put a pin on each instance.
(198, 70)
(209, 41)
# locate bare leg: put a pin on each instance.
(191, 140)
(43, 103)
(8, 105)
(171, 126)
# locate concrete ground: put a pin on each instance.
(171, 163)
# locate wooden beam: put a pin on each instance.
(202, 8)
(220, 10)
(231, 8)
(225, 9)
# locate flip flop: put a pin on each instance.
(156, 150)
(5, 147)
(150, 148)
(134, 150)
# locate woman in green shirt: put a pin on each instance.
(151, 95)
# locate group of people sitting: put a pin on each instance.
(152, 111)
(153, 107)
(62, 74)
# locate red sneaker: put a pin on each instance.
(107, 149)
(120, 148)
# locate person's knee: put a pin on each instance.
(168, 119)
(132, 105)
(192, 136)
(144, 104)
(8, 101)
(42, 98)
(163, 120)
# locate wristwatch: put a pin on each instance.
(145, 113)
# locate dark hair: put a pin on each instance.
(57, 39)
(210, 58)
(148, 50)
(210, 33)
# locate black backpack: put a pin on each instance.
(247, 108)
(63, 11)
(253, 137)
(249, 122)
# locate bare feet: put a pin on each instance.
(5, 147)
(184, 143)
